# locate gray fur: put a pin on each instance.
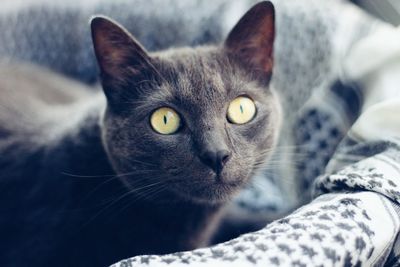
(199, 83)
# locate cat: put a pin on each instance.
(144, 166)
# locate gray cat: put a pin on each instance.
(88, 180)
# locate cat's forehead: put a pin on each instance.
(200, 75)
(198, 81)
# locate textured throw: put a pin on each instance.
(338, 73)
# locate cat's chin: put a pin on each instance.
(216, 193)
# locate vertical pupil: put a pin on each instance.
(241, 109)
(165, 119)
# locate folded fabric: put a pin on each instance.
(334, 230)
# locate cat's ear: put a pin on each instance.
(117, 52)
(251, 41)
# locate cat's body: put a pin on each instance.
(88, 180)
(63, 188)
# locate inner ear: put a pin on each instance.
(116, 50)
(251, 41)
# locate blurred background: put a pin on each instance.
(47, 25)
(388, 10)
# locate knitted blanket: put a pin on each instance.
(337, 75)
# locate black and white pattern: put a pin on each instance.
(354, 221)
(334, 230)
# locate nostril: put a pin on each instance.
(215, 159)
(223, 156)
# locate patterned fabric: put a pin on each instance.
(334, 230)
(354, 219)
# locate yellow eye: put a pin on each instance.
(241, 110)
(165, 120)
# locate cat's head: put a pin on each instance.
(194, 122)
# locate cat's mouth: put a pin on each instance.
(217, 192)
(223, 180)
(215, 188)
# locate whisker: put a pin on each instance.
(107, 175)
(115, 201)
(86, 176)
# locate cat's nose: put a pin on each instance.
(216, 160)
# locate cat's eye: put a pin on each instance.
(165, 120)
(241, 110)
